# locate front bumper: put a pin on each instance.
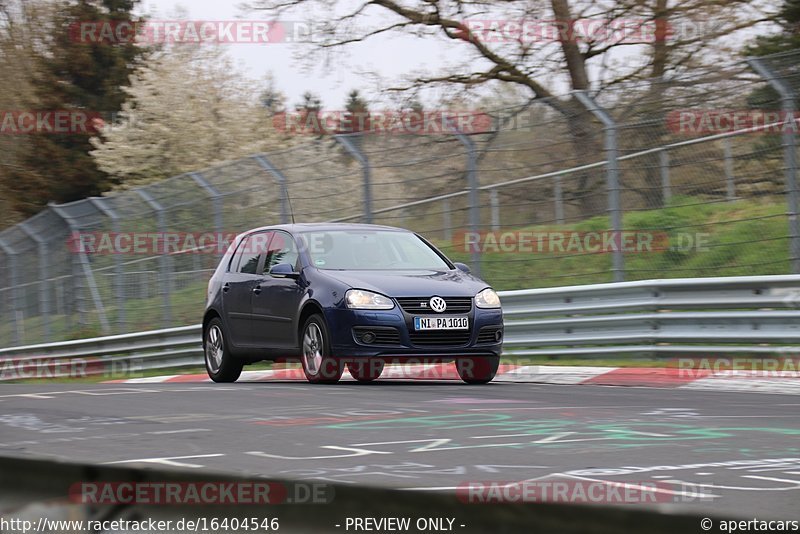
(397, 339)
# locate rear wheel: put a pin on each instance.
(366, 370)
(220, 363)
(478, 369)
(318, 364)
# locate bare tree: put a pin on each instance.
(573, 45)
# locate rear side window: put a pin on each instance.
(233, 266)
(249, 253)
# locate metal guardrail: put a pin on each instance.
(749, 314)
(155, 349)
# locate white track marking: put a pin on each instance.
(171, 460)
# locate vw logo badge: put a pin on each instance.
(438, 304)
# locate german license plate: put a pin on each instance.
(441, 323)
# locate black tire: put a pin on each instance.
(221, 365)
(366, 370)
(477, 369)
(319, 366)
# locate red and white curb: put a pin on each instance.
(657, 377)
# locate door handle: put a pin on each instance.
(226, 287)
(257, 290)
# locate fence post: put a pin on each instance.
(559, 199)
(350, 147)
(14, 304)
(730, 179)
(474, 202)
(282, 184)
(164, 258)
(789, 156)
(447, 220)
(44, 291)
(119, 270)
(81, 264)
(495, 205)
(612, 177)
(663, 164)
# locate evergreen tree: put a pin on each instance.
(309, 114)
(356, 118)
(73, 74)
(787, 39)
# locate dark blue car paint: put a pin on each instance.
(268, 326)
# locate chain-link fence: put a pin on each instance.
(687, 176)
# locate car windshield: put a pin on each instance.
(370, 250)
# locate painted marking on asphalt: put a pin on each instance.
(355, 451)
(745, 488)
(49, 395)
(183, 431)
(171, 460)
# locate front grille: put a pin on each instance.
(420, 305)
(440, 337)
(487, 335)
(384, 335)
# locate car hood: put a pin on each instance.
(454, 283)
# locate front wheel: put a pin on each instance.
(318, 364)
(220, 363)
(477, 369)
(366, 370)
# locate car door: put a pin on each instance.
(276, 300)
(237, 288)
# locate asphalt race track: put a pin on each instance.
(730, 454)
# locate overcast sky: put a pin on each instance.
(389, 56)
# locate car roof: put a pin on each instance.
(321, 227)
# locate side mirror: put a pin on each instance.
(461, 267)
(283, 270)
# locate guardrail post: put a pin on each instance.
(353, 150)
(164, 259)
(612, 176)
(789, 155)
(280, 179)
(474, 202)
(44, 277)
(81, 265)
(119, 270)
(14, 304)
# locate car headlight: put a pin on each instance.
(487, 299)
(367, 300)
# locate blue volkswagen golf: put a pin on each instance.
(347, 295)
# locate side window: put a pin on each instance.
(282, 249)
(252, 249)
(233, 266)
